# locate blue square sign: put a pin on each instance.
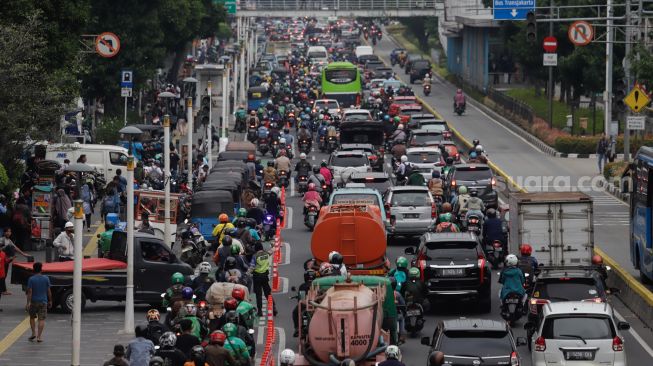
(512, 9)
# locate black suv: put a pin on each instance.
(474, 176)
(418, 69)
(453, 264)
(475, 342)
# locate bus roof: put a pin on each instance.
(341, 65)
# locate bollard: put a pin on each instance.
(275, 277)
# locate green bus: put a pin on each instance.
(342, 81)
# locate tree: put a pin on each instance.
(641, 61)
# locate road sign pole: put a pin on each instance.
(125, 111)
(209, 128)
(609, 37)
(550, 87)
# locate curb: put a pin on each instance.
(614, 190)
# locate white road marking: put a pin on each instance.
(286, 251)
(260, 335)
(292, 187)
(313, 157)
(635, 335)
(281, 341)
(288, 220)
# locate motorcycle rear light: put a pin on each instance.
(453, 183)
(540, 344)
(496, 244)
(617, 344)
(514, 360)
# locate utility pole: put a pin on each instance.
(629, 79)
(550, 86)
(607, 96)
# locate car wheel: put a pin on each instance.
(66, 301)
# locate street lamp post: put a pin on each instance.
(191, 84)
(225, 97)
(167, 234)
(209, 132)
(79, 168)
(130, 132)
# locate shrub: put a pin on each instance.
(615, 169)
(587, 144)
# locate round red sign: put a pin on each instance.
(550, 44)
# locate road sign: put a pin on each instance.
(635, 122)
(231, 7)
(637, 99)
(550, 59)
(550, 44)
(512, 9)
(107, 44)
(580, 33)
(126, 92)
(127, 79)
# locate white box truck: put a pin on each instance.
(558, 225)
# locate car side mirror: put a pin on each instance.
(623, 325)
(426, 341)
(521, 341)
(529, 326)
(409, 251)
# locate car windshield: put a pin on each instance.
(476, 343)
(357, 198)
(422, 64)
(575, 289)
(349, 161)
(424, 157)
(410, 198)
(357, 117)
(404, 101)
(454, 250)
(426, 138)
(380, 184)
(577, 327)
(473, 174)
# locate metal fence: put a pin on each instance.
(511, 105)
(342, 5)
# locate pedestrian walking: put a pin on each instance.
(601, 151)
(3, 274)
(61, 205)
(118, 357)
(87, 199)
(39, 300)
(7, 246)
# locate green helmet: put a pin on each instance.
(177, 278)
(397, 119)
(242, 212)
(235, 249)
(413, 272)
(230, 329)
(402, 262)
(462, 190)
(445, 217)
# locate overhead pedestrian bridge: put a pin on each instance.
(339, 8)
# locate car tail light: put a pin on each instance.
(617, 344)
(597, 300)
(481, 267)
(434, 210)
(387, 211)
(540, 344)
(453, 183)
(514, 360)
(534, 303)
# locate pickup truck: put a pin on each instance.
(106, 278)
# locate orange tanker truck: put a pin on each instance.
(355, 231)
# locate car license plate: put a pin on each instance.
(411, 216)
(412, 313)
(453, 272)
(579, 355)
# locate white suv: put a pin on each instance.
(578, 332)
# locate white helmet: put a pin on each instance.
(204, 267)
(404, 158)
(393, 352)
(276, 190)
(282, 140)
(302, 156)
(69, 225)
(287, 357)
(400, 127)
(511, 260)
(479, 148)
(254, 202)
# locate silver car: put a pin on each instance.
(412, 210)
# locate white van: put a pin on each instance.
(106, 159)
(363, 50)
(317, 54)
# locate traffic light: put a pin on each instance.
(531, 27)
(619, 90)
(204, 105)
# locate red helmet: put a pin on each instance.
(282, 152)
(218, 337)
(238, 293)
(230, 304)
(311, 186)
(251, 157)
(526, 249)
(597, 260)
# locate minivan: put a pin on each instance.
(106, 159)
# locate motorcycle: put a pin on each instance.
(252, 133)
(302, 182)
(414, 319)
(269, 226)
(283, 179)
(373, 40)
(310, 216)
(193, 247)
(324, 194)
(289, 153)
(474, 224)
(512, 308)
(495, 253)
(267, 190)
(304, 146)
(322, 144)
(459, 109)
(305, 318)
(332, 144)
(427, 90)
(240, 124)
(263, 146)
(274, 148)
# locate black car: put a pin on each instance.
(418, 69)
(474, 176)
(409, 61)
(452, 264)
(475, 342)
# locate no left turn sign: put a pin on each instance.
(580, 33)
(107, 44)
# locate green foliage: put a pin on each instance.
(4, 179)
(642, 65)
(587, 144)
(107, 130)
(614, 170)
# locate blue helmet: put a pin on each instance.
(473, 155)
(187, 293)
(435, 174)
(386, 118)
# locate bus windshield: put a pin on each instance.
(340, 76)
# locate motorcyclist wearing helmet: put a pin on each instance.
(282, 163)
(459, 99)
(527, 263)
(445, 224)
(203, 281)
(168, 352)
(303, 134)
(290, 139)
(235, 345)
(262, 132)
(240, 214)
(402, 170)
(198, 329)
(302, 168)
(311, 197)
(216, 354)
(251, 167)
(398, 150)
(245, 309)
(309, 276)
(447, 167)
(220, 230)
(326, 173)
(460, 201)
(413, 290)
(480, 152)
(473, 158)
(223, 252)
(512, 278)
(322, 133)
(287, 357)
(474, 205)
(415, 177)
(232, 317)
(173, 293)
(436, 186)
(399, 136)
(270, 174)
(154, 327)
(600, 268)
(400, 272)
(337, 261)
(255, 212)
(392, 357)
(253, 119)
(493, 229)
(197, 357)
(316, 178)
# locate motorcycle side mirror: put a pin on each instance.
(426, 341)
(250, 331)
(409, 251)
(293, 289)
(163, 294)
(527, 275)
(186, 221)
(521, 341)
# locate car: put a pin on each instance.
(375, 157)
(405, 111)
(452, 265)
(468, 341)
(331, 105)
(354, 114)
(344, 163)
(418, 69)
(452, 150)
(375, 85)
(416, 118)
(406, 100)
(411, 209)
(359, 195)
(474, 176)
(383, 72)
(435, 125)
(394, 84)
(362, 60)
(578, 332)
(425, 159)
(380, 181)
(409, 61)
(421, 138)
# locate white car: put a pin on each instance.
(578, 333)
(426, 159)
(346, 163)
(354, 114)
(331, 105)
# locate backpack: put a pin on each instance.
(526, 266)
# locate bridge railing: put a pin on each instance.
(342, 5)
